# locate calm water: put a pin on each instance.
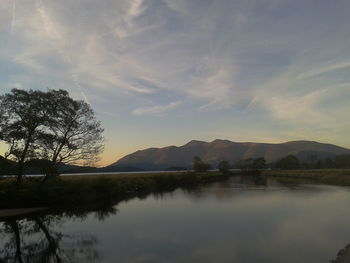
(221, 222)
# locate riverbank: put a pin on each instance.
(5, 213)
(74, 191)
(339, 177)
(87, 190)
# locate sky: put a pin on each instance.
(164, 72)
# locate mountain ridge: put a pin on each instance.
(218, 150)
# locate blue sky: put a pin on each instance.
(163, 72)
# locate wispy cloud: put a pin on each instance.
(156, 110)
(13, 20)
(324, 69)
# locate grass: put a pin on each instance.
(92, 190)
(73, 191)
(322, 176)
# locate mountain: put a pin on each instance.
(218, 150)
(71, 169)
(8, 167)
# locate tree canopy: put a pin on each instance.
(48, 125)
(288, 162)
(199, 165)
(224, 167)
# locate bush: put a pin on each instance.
(224, 167)
(199, 165)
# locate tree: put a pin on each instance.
(224, 167)
(259, 163)
(72, 135)
(288, 162)
(48, 126)
(342, 161)
(252, 166)
(199, 165)
(23, 114)
(329, 163)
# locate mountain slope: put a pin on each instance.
(218, 150)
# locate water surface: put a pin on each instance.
(233, 221)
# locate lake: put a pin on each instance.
(233, 221)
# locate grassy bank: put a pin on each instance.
(322, 176)
(96, 189)
(92, 190)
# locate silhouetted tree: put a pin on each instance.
(224, 167)
(252, 166)
(288, 162)
(329, 163)
(23, 114)
(199, 165)
(259, 163)
(72, 135)
(342, 161)
(319, 164)
(48, 126)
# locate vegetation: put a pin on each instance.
(86, 190)
(47, 129)
(323, 176)
(224, 167)
(199, 165)
(176, 168)
(313, 162)
(252, 166)
(288, 162)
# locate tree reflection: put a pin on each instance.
(35, 239)
(253, 180)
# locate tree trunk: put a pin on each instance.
(53, 244)
(20, 174)
(15, 229)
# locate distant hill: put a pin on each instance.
(218, 150)
(8, 167)
(70, 169)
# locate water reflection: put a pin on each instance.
(33, 239)
(220, 222)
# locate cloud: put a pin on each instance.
(13, 20)
(156, 110)
(324, 69)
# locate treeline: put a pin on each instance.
(251, 166)
(312, 162)
(290, 162)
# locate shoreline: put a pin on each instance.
(77, 191)
(87, 190)
(6, 213)
(340, 177)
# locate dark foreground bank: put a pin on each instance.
(71, 191)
